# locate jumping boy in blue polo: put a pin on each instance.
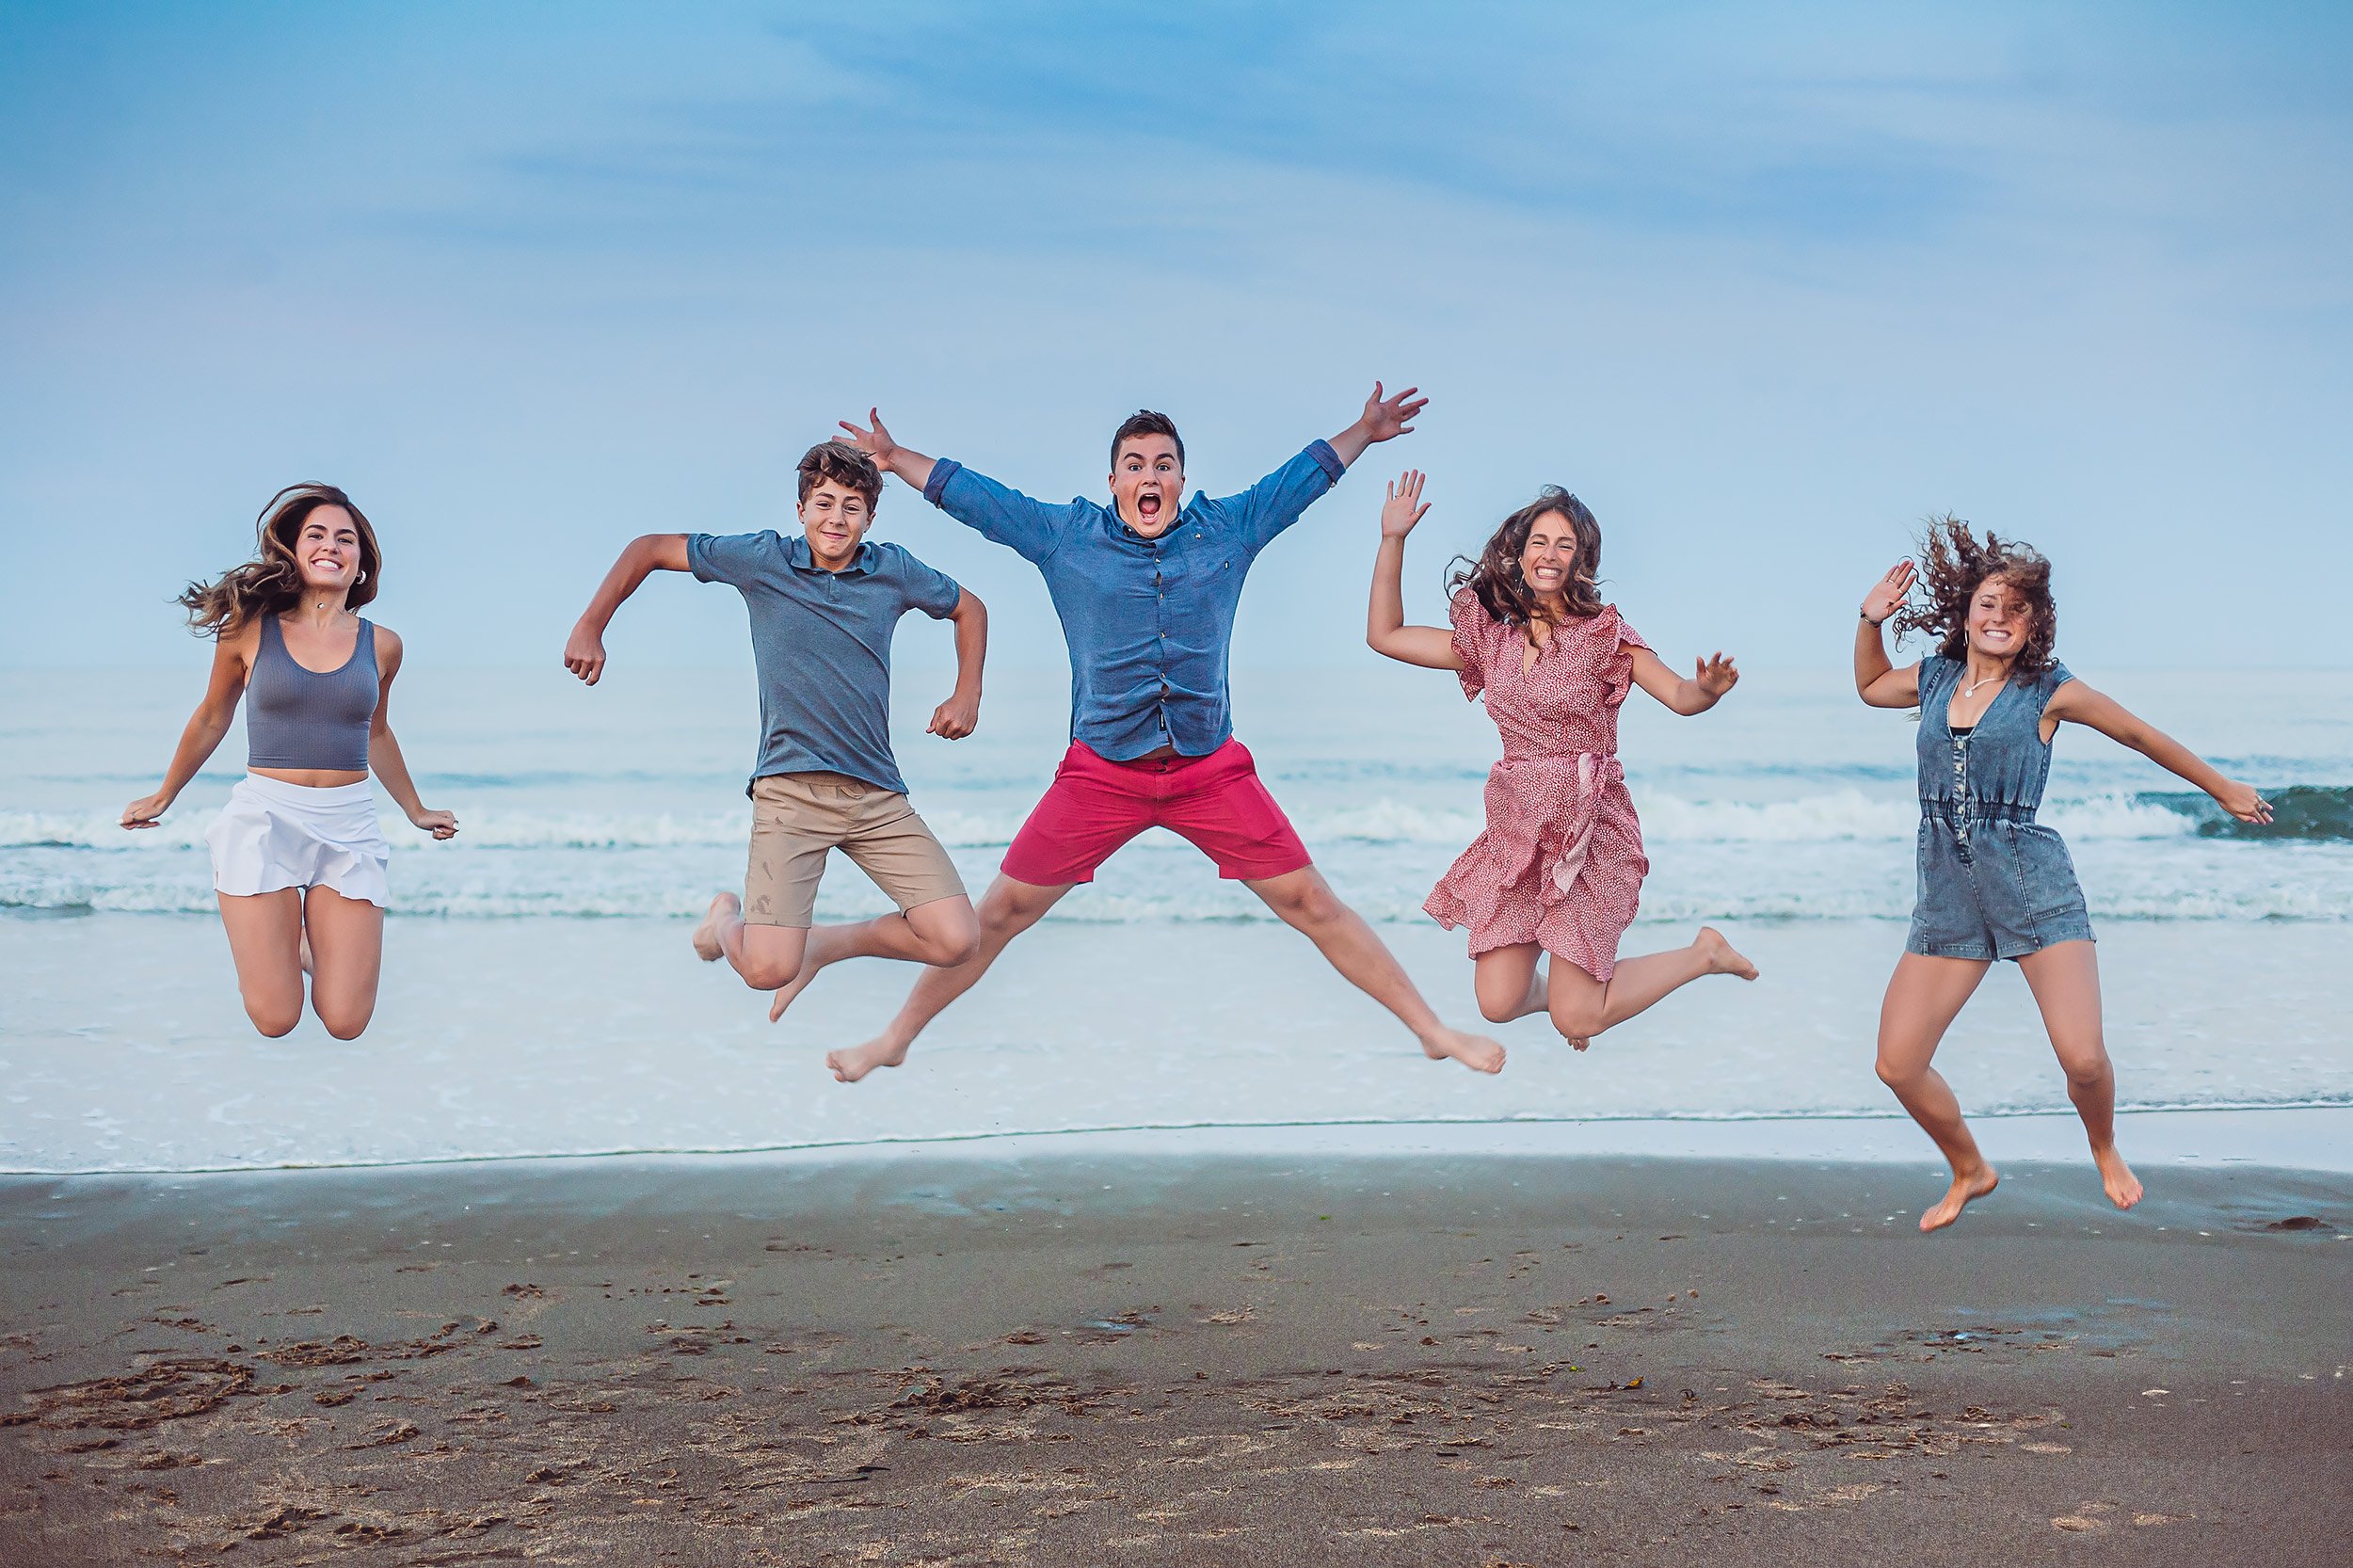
(823, 610)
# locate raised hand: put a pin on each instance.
(1404, 506)
(583, 654)
(1385, 418)
(955, 718)
(2244, 802)
(442, 824)
(875, 443)
(1887, 595)
(146, 811)
(1716, 675)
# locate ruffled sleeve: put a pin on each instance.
(1618, 667)
(1474, 635)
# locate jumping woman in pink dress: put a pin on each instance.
(1560, 868)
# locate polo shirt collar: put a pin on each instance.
(801, 558)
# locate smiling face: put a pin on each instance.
(1148, 483)
(326, 551)
(2000, 620)
(1548, 559)
(835, 517)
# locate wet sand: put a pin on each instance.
(1087, 1359)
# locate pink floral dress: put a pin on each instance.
(1560, 863)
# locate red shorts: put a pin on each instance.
(1215, 803)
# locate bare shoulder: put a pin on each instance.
(2072, 697)
(239, 642)
(387, 645)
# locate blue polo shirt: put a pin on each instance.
(821, 642)
(1148, 621)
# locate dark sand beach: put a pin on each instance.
(1158, 1359)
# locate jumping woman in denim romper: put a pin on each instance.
(1993, 883)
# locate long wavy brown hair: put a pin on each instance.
(1954, 566)
(1496, 576)
(271, 582)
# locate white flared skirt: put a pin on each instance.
(274, 835)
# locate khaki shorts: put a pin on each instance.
(797, 817)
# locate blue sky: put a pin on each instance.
(1763, 284)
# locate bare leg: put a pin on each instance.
(766, 956)
(346, 959)
(1582, 1007)
(1924, 995)
(2065, 980)
(942, 932)
(1307, 905)
(1508, 982)
(1007, 909)
(265, 942)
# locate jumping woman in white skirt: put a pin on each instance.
(297, 858)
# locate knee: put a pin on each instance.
(1896, 1078)
(959, 948)
(345, 1026)
(769, 974)
(2088, 1073)
(1499, 1010)
(1312, 905)
(1577, 1021)
(274, 1021)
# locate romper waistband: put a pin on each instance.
(1976, 811)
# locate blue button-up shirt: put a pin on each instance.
(1148, 621)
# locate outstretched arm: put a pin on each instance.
(384, 758)
(1383, 418)
(1686, 694)
(1385, 632)
(957, 717)
(1879, 682)
(584, 652)
(997, 512)
(2078, 703)
(888, 455)
(231, 652)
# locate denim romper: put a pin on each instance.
(1993, 882)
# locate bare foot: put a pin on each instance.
(786, 993)
(2124, 1188)
(707, 946)
(1475, 1052)
(1964, 1189)
(306, 952)
(850, 1066)
(1580, 1042)
(1722, 958)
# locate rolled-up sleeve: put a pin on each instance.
(1274, 503)
(999, 513)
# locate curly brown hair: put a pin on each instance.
(271, 582)
(846, 466)
(1953, 566)
(1494, 577)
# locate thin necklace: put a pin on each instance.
(1971, 688)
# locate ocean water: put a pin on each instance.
(539, 997)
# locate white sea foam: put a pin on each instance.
(1831, 817)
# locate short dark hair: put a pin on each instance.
(846, 466)
(1144, 421)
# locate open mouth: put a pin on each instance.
(1148, 506)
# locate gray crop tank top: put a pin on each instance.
(300, 718)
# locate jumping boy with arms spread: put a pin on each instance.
(1146, 589)
(823, 610)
